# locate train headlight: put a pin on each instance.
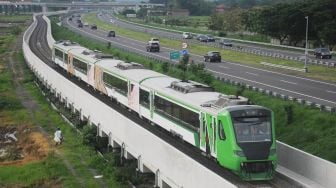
(239, 153)
(272, 152)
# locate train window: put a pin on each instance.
(59, 54)
(144, 98)
(79, 65)
(176, 113)
(221, 130)
(65, 58)
(117, 83)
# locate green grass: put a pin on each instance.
(305, 128)
(51, 170)
(15, 18)
(198, 24)
(316, 72)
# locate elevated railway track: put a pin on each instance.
(39, 45)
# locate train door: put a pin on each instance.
(222, 143)
(90, 74)
(214, 136)
(203, 131)
(133, 96)
(71, 68)
(151, 101)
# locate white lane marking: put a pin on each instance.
(272, 86)
(209, 69)
(95, 36)
(308, 79)
(331, 91)
(288, 82)
(254, 74)
(224, 67)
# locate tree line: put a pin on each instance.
(284, 21)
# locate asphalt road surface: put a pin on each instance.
(299, 87)
(113, 20)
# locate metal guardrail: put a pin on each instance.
(237, 48)
(321, 107)
(271, 93)
(238, 40)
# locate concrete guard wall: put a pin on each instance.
(318, 170)
(175, 168)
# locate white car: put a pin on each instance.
(187, 35)
(154, 40)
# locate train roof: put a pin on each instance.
(195, 95)
(131, 71)
(67, 45)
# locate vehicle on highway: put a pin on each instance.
(211, 38)
(212, 56)
(202, 38)
(153, 46)
(225, 42)
(94, 27)
(80, 24)
(79, 21)
(86, 24)
(70, 19)
(187, 35)
(239, 136)
(322, 53)
(155, 40)
(111, 34)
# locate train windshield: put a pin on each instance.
(252, 129)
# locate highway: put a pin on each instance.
(177, 36)
(319, 92)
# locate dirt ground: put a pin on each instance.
(21, 144)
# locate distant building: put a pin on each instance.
(220, 8)
(176, 12)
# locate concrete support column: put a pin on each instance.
(44, 8)
(141, 167)
(158, 182)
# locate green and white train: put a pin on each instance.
(239, 136)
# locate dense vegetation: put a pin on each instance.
(26, 110)
(302, 127)
(285, 21)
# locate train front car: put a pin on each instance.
(250, 148)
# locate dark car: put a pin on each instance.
(94, 27)
(153, 47)
(111, 34)
(322, 53)
(211, 38)
(70, 19)
(225, 42)
(212, 56)
(202, 38)
(80, 25)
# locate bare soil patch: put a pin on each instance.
(21, 144)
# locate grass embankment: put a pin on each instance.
(67, 165)
(15, 18)
(302, 127)
(196, 24)
(316, 72)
